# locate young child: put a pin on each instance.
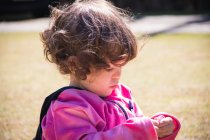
(90, 41)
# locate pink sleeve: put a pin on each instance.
(73, 123)
(176, 123)
(132, 129)
(137, 110)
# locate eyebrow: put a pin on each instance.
(117, 63)
(120, 62)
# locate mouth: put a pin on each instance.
(114, 86)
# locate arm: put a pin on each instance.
(168, 124)
(172, 129)
(132, 129)
(75, 122)
(165, 123)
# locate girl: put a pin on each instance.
(90, 41)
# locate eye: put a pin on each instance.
(109, 69)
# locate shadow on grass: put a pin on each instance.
(202, 19)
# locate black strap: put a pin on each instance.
(46, 106)
(123, 110)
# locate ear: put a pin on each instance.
(73, 63)
(72, 59)
(75, 68)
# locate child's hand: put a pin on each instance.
(163, 126)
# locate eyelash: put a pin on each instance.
(109, 69)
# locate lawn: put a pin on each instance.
(171, 74)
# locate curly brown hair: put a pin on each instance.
(85, 34)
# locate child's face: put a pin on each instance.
(103, 81)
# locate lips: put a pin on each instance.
(114, 86)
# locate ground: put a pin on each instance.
(170, 74)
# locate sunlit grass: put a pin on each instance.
(170, 74)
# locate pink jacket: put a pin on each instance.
(80, 114)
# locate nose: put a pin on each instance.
(117, 72)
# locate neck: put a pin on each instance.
(75, 82)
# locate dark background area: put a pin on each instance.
(165, 6)
(16, 9)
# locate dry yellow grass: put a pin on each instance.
(171, 74)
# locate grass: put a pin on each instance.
(171, 74)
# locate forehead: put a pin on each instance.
(109, 64)
(120, 62)
(117, 63)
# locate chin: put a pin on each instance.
(106, 93)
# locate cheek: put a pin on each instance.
(107, 78)
(100, 79)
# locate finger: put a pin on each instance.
(166, 121)
(159, 133)
(160, 117)
(156, 128)
(155, 122)
(166, 130)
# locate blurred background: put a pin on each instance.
(39, 8)
(170, 74)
